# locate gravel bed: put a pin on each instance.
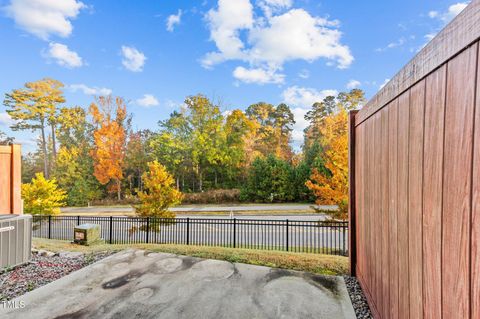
(359, 301)
(41, 270)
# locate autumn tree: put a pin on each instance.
(74, 165)
(34, 107)
(159, 193)
(42, 196)
(109, 136)
(329, 119)
(274, 127)
(240, 137)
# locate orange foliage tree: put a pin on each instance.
(331, 188)
(109, 140)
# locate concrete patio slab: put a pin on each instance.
(141, 284)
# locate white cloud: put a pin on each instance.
(133, 59)
(258, 75)
(225, 24)
(384, 83)
(300, 124)
(305, 97)
(89, 90)
(302, 100)
(63, 55)
(353, 84)
(173, 20)
(271, 6)
(400, 42)
(6, 120)
(451, 12)
(304, 74)
(267, 42)
(45, 17)
(148, 100)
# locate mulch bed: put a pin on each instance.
(359, 301)
(41, 270)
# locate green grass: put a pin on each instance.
(315, 263)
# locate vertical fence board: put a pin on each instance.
(384, 229)
(392, 207)
(456, 189)
(402, 219)
(475, 239)
(415, 183)
(377, 220)
(10, 179)
(432, 193)
(457, 181)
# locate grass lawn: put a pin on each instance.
(315, 263)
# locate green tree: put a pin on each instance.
(74, 165)
(269, 180)
(34, 107)
(42, 196)
(4, 139)
(274, 126)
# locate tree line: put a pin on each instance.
(94, 153)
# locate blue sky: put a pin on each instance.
(238, 52)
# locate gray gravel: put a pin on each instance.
(41, 270)
(359, 301)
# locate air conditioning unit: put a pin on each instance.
(15, 239)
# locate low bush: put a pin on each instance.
(214, 196)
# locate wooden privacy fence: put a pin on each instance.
(415, 182)
(10, 179)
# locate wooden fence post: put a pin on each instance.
(16, 171)
(352, 245)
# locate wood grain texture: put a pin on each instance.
(432, 193)
(475, 215)
(457, 35)
(5, 183)
(415, 201)
(384, 230)
(16, 180)
(457, 182)
(402, 212)
(417, 183)
(377, 209)
(352, 247)
(392, 208)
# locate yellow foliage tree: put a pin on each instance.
(42, 196)
(110, 139)
(331, 188)
(159, 193)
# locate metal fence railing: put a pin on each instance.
(287, 235)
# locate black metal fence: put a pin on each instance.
(287, 235)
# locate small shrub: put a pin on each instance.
(159, 193)
(214, 196)
(42, 196)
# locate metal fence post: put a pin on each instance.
(49, 226)
(148, 230)
(286, 231)
(188, 230)
(111, 229)
(234, 233)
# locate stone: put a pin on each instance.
(70, 254)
